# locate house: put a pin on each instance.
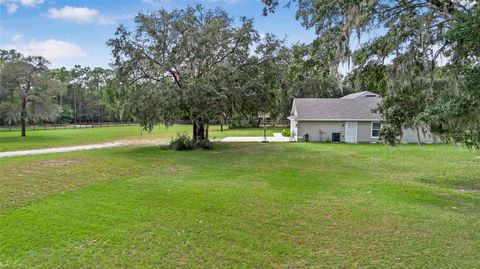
(348, 119)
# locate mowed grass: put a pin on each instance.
(290, 205)
(10, 141)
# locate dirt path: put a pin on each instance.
(276, 138)
(113, 144)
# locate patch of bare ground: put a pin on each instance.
(177, 168)
(25, 182)
(59, 162)
(469, 190)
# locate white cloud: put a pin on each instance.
(13, 5)
(51, 49)
(442, 59)
(74, 14)
(11, 8)
(31, 3)
(466, 3)
(79, 15)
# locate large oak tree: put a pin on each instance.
(171, 61)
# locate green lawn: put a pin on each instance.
(290, 205)
(61, 138)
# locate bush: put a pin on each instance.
(205, 144)
(182, 142)
(286, 132)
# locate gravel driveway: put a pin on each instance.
(113, 144)
(277, 137)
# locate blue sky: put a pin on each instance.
(75, 32)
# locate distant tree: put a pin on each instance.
(371, 77)
(249, 85)
(27, 92)
(115, 98)
(86, 95)
(64, 76)
(311, 72)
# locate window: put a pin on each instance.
(376, 129)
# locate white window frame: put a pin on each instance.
(371, 129)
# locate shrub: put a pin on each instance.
(182, 141)
(205, 144)
(286, 133)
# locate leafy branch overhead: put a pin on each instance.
(420, 55)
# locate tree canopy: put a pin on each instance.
(402, 44)
(26, 89)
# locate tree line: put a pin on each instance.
(32, 93)
(204, 66)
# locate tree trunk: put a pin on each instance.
(80, 110)
(195, 131)
(201, 131)
(206, 131)
(418, 137)
(24, 132)
(74, 108)
(23, 116)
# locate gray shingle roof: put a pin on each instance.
(336, 108)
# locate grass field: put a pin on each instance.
(10, 141)
(243, 205)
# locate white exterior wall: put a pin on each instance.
(321, 131)
(364, 132)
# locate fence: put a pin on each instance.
(34, 127)
(276, 123)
